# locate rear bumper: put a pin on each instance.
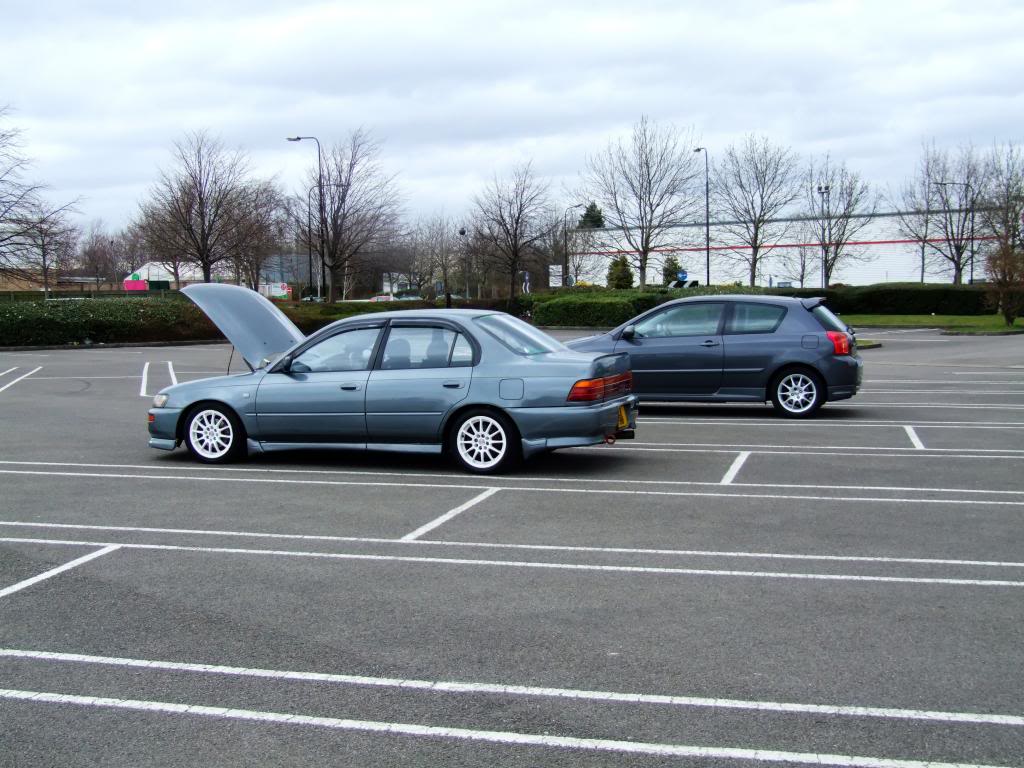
(571, 426)
(844, 376)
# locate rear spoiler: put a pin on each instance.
(810, 304)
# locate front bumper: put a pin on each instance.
(569, 426)
(163, 428)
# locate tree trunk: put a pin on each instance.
(643, 270)
(207, 272)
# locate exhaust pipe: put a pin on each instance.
(609, 439)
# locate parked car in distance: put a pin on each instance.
(794, 352)
(483, 386)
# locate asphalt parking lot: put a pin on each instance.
(729, 589)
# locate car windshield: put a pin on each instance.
(520, 337)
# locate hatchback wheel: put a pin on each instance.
(797, 394)
(485, 442)
(214, 434)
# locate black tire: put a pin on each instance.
(214, 434)
(797, 393)
(484, 442)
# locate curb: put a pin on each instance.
(1012, 332)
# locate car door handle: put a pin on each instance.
(452, 384)
(709, 343)
(350, 387)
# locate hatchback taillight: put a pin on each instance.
(590, 390)
(840, 342)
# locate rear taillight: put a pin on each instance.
(591, 390)
(840, 342)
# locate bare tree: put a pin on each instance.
(439, 235)
(129, 250)
(646, 186)
(361, 206)
(1001, 220)
(19, 201)
(95, 257)
(262, 223)
(753, 184)
(798, 264)
(49, 243)
(192, 209)
(838, 204)
(938, 208)
(513, 215)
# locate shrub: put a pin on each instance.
(598, 311)
(619, 273)
(106, 321)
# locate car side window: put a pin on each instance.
(754, 318)
(419, 347)
(345, 351)
(462, 353)
(698, 319)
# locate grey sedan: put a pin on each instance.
(483, 386)
(794, 352)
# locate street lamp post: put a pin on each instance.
(320, 195)
(565, 243)
(826, 215)
(465, 245)
(707, 217)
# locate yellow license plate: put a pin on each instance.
(623, 418)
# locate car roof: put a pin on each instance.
(757, 298)
(412, 314)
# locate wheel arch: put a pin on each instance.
(456, 413)
(186, 412)
(787, 367)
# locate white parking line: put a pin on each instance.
(735, 468)
(528, 547)
(584, 480)
(9, 370)
(873, 453)
(170, 370)
(784, 446)
(145, 380)
(58, 570)
(531, 564)
(829, 423)
(914, 439)
(485, 736)
(23, 376)
(573, 694)
(449, 515)
(532, 489)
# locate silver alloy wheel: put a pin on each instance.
(797, 392)
(210, 434)
(481, 442)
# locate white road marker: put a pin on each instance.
(23, 376)
(449, 515)
(145, 380)
(734, 468)
(59, 569)
(914, 439)
(586, 481)
(9, 370)
(475, 735)
(525, 488)
(170, 370)
(530, 564)
(533, 547)
(448, 686)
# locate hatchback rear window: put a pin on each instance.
(828, 321)
(754, 318)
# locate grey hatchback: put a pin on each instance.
(794, 352)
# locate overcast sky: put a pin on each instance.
(457, 92)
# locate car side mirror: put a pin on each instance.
(284, 365)
(628, 332)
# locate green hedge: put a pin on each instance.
(586, 311)
(89, 321)
(901, 299)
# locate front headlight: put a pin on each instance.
(160, 401)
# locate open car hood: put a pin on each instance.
(255, 327)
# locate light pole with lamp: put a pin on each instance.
(565, 243)
(826, 214)
(465, 245)
(968, 189)
(320, 195)
(707, 217)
